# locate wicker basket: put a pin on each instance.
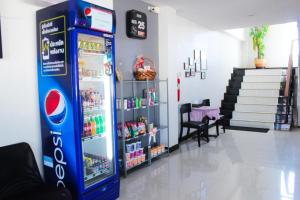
(146, 75)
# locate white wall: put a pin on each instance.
(19, 112)
(278, 45)
(178, 38)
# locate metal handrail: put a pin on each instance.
(289, 71)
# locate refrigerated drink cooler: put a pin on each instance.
(77, 98)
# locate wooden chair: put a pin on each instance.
(202, 127)
(213, 122)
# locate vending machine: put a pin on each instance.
(76, 79)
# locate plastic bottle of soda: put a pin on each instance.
(97, 124)
(85, 128)
(93, 126)
(103, 123)
(89, 128)
(101, 130)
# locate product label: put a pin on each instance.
(53, 47)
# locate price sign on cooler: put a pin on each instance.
(136, 24)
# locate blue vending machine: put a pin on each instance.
(77, 98)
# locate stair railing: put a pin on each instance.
(289, 72)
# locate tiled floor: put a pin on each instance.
(236, 166)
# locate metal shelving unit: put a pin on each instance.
(153, 113)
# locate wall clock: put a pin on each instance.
(136, 22)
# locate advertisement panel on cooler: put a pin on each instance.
(55, 99)
(94, 14)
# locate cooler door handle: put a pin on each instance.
(81, 114)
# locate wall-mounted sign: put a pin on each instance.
(136, 24)
(1, 54)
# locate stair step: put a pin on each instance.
(237, 78)
(227, 105)
(226, 113)
(232, 90)
(236, 84)
(261, 86)
(270, 72)
(254, 117)
(256, 108)
(264, 79)
(239, 72)
(230, 98)
(257, 100)
(251, 124)
(259, 93)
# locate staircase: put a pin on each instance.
(255, 99)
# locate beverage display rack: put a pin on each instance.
(160, 145)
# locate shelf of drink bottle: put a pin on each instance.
(95, 166)
(94, 127)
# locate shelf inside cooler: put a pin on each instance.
(93, 137)
(90, 53)
(92, 79)
(95, 174)
(93, 109)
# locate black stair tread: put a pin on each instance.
(232, 91)
(227, 113)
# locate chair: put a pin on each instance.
(221, 120)
(202, 127)
(21, 179)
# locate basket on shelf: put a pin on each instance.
(142, 71)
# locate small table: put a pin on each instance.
(199, 113)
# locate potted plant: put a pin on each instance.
(258, 35)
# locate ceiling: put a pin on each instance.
(229, 14)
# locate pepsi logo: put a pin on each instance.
(55, 106)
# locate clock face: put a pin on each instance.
(136, 24)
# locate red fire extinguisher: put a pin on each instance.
(178, 89)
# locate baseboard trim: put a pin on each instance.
(174, 148)
(250, 129)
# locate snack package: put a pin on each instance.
(127, 132)
(134, 129)
(141, 128)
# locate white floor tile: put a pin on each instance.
(236, 166)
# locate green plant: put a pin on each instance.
(258, 35)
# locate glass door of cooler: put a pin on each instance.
(96, 86)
